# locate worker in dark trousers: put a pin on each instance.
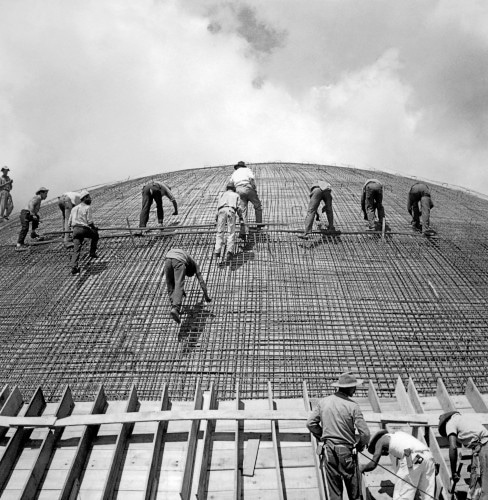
(177, 266)
(372, 202)
(419, 205)
(154, 191)
(321, 191)
(31, 214)
(334, 421)
(81, 220)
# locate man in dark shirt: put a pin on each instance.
(333, 421)
(155, 191)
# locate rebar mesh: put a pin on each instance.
(283, 309)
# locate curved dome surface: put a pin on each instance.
(283, 309)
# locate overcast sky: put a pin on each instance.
(100, 90)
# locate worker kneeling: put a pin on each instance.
(415, 464)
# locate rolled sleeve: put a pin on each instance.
(313, 423)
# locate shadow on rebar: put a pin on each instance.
(323, 239)
(92, 269)
(193, 324)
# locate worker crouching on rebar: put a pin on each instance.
(372, 202)
(228, 208)
(321, 191)
(66, 202)
(414, 461)
(177, 265)
(154, 191)
(419, 205)
(31, 214)
(81, 220)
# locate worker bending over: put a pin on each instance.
(414, 462)
(372, 202)
(31, 214)
(473, 435)
(154, 191)
(81, 220)
(419, 204)
(66, 202)
(320, 191)
(177, 265)
(6, 203)
(227, 208)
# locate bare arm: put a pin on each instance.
(453, 455)
(202, 284)
(382, 444)
(313, 423)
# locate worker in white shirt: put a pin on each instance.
(81, 221)
(31, 214)
(66, 202)
(227, 209)
(243, 180)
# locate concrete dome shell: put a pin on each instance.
(283, 310)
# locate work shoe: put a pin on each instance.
(303, 236)
(216, 255)
(93, 256)
(331, 229)
(69, 244)
(37, 238)
(21, 247)
(243, 236)
(370, 228)
(428, 232)
(175, 315)
(75, 271)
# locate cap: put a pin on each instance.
(84, 193)
(5, 168)
(42, 190)
(239, 164)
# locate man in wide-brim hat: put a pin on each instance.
(473, 435)
(334, 421)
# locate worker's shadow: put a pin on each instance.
(324, 238)
(193, 324)
(244, 253)
(92, 268)
(386, 488)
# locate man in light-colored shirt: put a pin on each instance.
(334, 421)
(320, 191)
(6, 203)
(372, 202)
(154, 191)
(228, 207)
(66, 202)
(81, 220)
(31, 214)
(243, 180)
(415, 463)
(473, 435)
(177, 265)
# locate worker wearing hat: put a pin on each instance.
(66, 202)
(81, 220)
(154, 191)
(6, 204)
(227, 209)
(31, 214)
(320, 191)
(419, 204)
(468, 431)
(245, 183)
(334, 421)
(372, 202)
(414, 460)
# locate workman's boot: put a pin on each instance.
(303, 236)
(75, 271)
(228, 256)
(21, 247)
(175, 315)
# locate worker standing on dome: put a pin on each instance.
(31, 214)
(320, 191)
(81, 220)
(419, 204)
(154, 191)
(333, 421)
(66, 202)
(177, 265)
(6, 204)
(372, 201)
(415, 464)
(245, 184)
(227, 208)
(473, 435)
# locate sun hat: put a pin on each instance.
(346, 380)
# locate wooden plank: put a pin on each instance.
(72, 483)
(475, 398)
(37, 471)
(319, 471)
(404, 402)
(373, 398)
(443, 396)
(13, 449)
(274, 436)
(186, 482)
(250, 456)
(118, 454)
(207, 448)
(237, 441)
(444, 475)
(4, 394)
(11, 408)
(156, 451)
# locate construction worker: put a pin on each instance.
(227, 208)
(245, 184)
(320, 191)
(66, 202)
(31, 214)
(333, 421)
(372, 201)
(154, 190)
(468, 431)
(419, 204)
(177, 265)
(81, 221)
(414, 461)
(6, 203)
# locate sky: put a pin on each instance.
(103, 90)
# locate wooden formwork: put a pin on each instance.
(200, 449)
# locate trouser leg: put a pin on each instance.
(179, 283)
(3, 202)
(94, 241)
(313, 205)
(243, 202)
(146, 207)
(78, 239)
(406, 485)
(219, 238)
(426, 204)
(35, 225)
(327, 197)
(416, 214)
(370, 206)
(159, 205)
(24, 226)
(170, 278)
(333, 472)
(231, 230)
(258, 207)
(10, 205)
(426, 483)
(483, 461)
